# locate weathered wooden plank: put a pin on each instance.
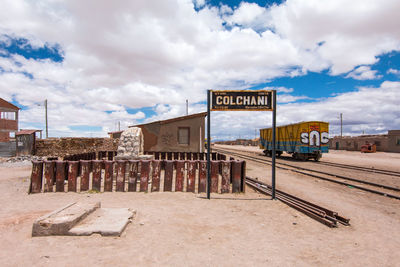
(96, 175)
(144, 175)
(156, 174)
(36, 177)
(73, 167)
(49, 175)
(191, 176)
(180, 173)
(202, 176)
(108, 175)
(121, 165)
(168, 175)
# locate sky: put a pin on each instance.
(101, 64)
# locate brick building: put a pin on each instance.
(8, 120)
(8, 128)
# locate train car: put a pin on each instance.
(304, 140)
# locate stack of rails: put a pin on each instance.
(323, 215)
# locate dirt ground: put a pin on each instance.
(185, 229)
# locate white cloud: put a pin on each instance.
(363, 73)
(393, 71)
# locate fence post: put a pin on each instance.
(49, 173)
(85, 171)
(169, 171)
(36, 177)
(180, 169)
(214, 176)
(202, 176)
(72, 175)
(155, 183)
(108, 175)
(133, 173)
(60, 175)
(96, 181)
(144, 175)
(191, 176)
(236, 175)
(226, 176)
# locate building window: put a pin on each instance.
(183, 135)
(398, 142)
(8, 116)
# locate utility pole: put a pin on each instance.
(119, 126)
(45, 111)
(187, 107)
(341, 125)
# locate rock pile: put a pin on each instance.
(131, 143)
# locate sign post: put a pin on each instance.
(241, 100)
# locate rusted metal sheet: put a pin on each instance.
(169, 171)
(243, 178)
(201, 156)
(156, 174)
(121, 165)
(144, 175)
(60, 175)
(226, 176)
(85, 171)
(214, 176)
(236, 175)
(180, 173)
(49, 175)
(132, 176)
(191, 176)
(108, 175)
(202, 176)
(72, 175)
(36, 177)
(96, 181)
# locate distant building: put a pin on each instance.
(183, 134)
(26, 141)
(115, 135)
(385, 142)
(8, 128)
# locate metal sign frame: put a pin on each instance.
(231, 93)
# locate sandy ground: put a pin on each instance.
(185, 229)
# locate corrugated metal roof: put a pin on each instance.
(24, 132)
(202, 114)
(6, 104)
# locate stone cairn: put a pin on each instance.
(131, 144)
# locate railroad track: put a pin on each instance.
(334, 178)
(359, 168)
(328, 217)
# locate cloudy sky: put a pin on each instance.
(103, 62)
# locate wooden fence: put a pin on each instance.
(140, 175)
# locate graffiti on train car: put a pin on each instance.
(314, 138)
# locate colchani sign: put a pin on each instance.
(256, 100)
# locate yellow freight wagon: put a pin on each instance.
(303, 140)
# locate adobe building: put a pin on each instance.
(8, 128)
(183, 134)
(385, 142)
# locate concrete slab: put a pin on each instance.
(104, 221)
(60, 221)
